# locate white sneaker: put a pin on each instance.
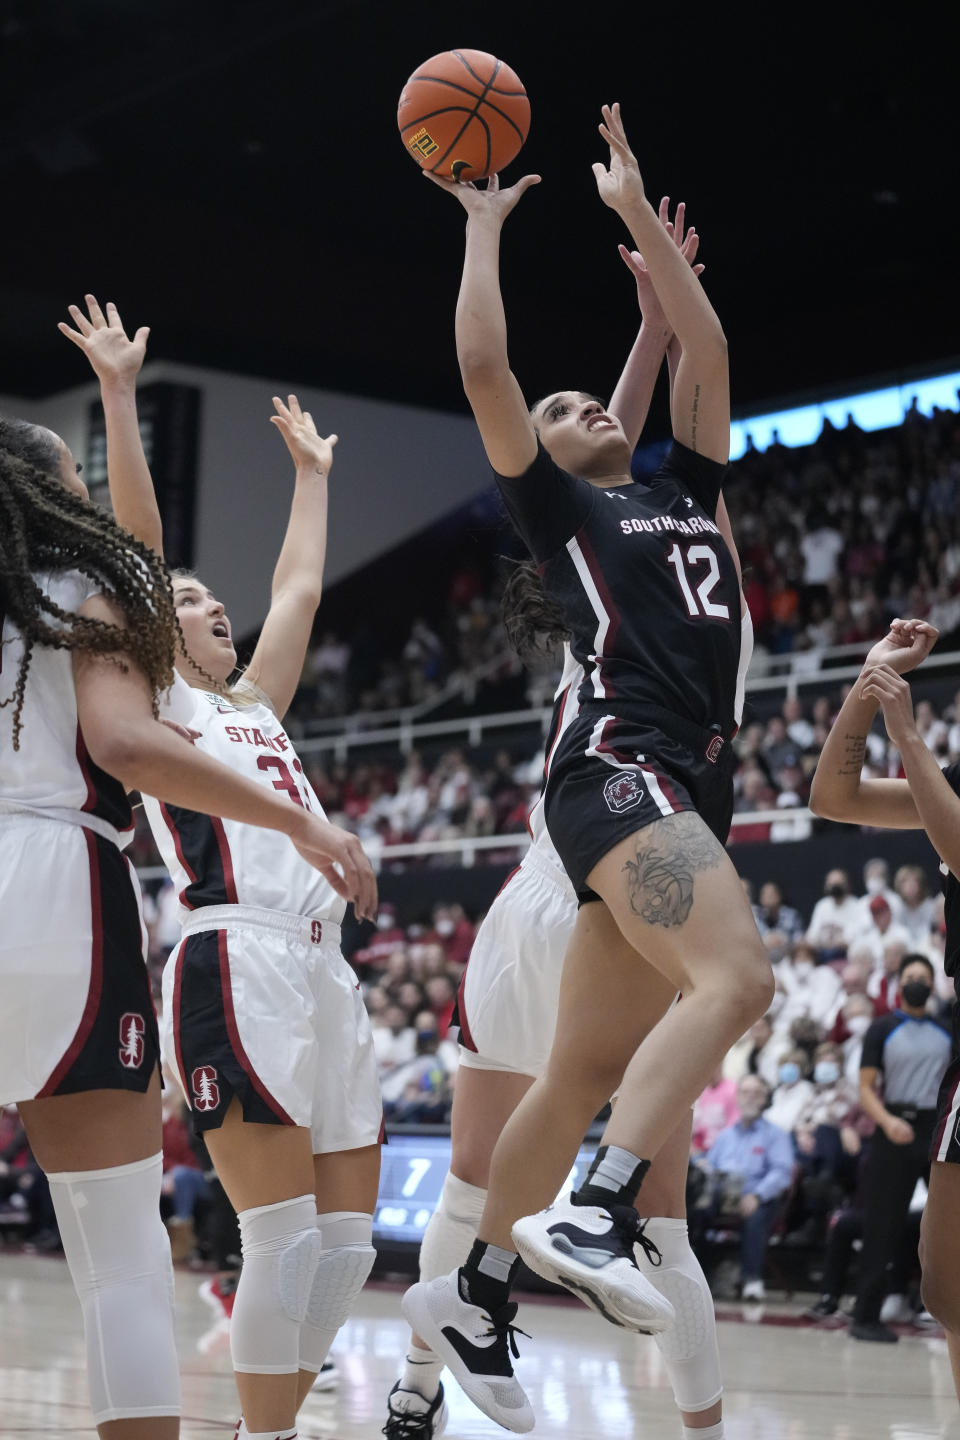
(411, 1416)
(474, 1345)
(896, 1310)
(753, 1290)
(589, 1250)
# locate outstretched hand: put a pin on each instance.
(113, 356)
(906, 645)
(620, 185)
(688, 243)
(490, 202)
(309, 449)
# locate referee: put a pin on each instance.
(909, 1051)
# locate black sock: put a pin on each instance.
(486, 1278)
(614, 1178)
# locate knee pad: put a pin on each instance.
(119, 1258)
(452, 1228)
(689, 1348)
(281, 1251)
(345, 1262)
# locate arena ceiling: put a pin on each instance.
(229, 171)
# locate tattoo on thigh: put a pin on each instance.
(668, 856)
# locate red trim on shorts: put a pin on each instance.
(622, 757)
(168, 821)
(177, 986)
(941, 1129)
(236, 1043)
(96, 973)
(466, 1039)
(666, 789)
(226, 860)
(83, 760)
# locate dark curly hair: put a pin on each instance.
(43, 527)
(534, 623)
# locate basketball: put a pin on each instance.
(463, 115)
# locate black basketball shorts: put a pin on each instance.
(946, 1133)
(612, 777)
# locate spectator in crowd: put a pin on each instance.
(907, 1052)
(834, 919)
(715, 1109)
(856, 1018)
(793, 1092)
(876, 881)
(812, 991)
(756, 1053)
(881, 930)
(917, 910)
(772, 914)
(760, 1156)
(883, 986)
(183, 1183)
(420, 1091)
(394, 1039)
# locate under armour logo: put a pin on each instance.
(614, 495)
(688, 501)
(131, 1041)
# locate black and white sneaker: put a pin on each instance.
(413, 1417)
(589, 1251)
(474, 1345)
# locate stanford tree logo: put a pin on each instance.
(131, 1041)
(206, 1091)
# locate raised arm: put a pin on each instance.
(491, 387)
(837, 791)
(116, 362)
(123, 738)
(631, 398)
(277, 661)
(700, 407)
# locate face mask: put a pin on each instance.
(837, 892)
(916, 993)
(384, 922)
(444, 927)
(858, 1025)
(875, 885)
(826, 1072)
(789, 1073)
(803, 968)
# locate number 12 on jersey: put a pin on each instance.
(698, 603)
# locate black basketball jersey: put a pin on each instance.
(646, 582)
(951, 901)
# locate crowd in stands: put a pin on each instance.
(835, 539)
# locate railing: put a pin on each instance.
(466, 848)
(788, 668)
(406, 735)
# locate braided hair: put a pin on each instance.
(43, 527)
(534, 623)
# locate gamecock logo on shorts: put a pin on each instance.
(131, 1041)
(712, 751)
(206, 1091)
(624, 791)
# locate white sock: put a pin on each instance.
(712, 1432)
(421, 1372)
(244, 1434)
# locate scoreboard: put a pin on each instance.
(412, 1172)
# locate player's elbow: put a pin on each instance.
(119, 749)
(820, 803)
(481, 369)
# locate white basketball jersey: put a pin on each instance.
(52, 770)
(222, 862)
(565, 708)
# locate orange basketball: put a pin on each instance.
(463, 115)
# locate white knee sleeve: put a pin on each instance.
(119, 1257)
(452, 1228)
(689, 1347)
(345, 1262)
(281, 1250)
